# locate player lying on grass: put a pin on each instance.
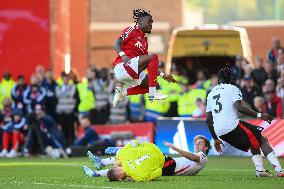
(188, 164)
(133, 58)
(223, 103)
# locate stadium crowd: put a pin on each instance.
(46, 112)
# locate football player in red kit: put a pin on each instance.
(133, 59)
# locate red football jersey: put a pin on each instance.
(134, 43)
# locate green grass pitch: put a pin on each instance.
(220, 172)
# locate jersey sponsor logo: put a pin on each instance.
(130, 164)
(143, 158)
(139, 45)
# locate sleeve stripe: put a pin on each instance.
(128, 31)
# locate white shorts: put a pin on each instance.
(125, 77)
(186, 167)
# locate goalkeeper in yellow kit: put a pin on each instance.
(142, 162)
(146, 162)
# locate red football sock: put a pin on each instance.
(137, 90)
(153, 71)
(5, 140)
(16, 139)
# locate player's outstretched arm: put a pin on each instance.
(242, 108)
(217, 141)
(188, 155)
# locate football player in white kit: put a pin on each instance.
(223, 103)
(188, 164)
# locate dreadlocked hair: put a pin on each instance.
(139, 13)
(225, 75)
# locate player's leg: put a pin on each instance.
(151, 63)
(119, 93)
(5, 143)
(15, 144)
(143, 88)
(271, 156)
(92, 173)
(99, 163)
(244, 137)
(258, 163)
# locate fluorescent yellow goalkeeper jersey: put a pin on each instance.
(142, 162)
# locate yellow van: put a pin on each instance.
(207, 48)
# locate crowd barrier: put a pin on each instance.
(143, 132)
(181, 133)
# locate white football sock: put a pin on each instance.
(102, 173)
(108, 161)
(272, 158)
(257, 160)
(152, 91)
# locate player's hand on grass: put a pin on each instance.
(267, 117)
(125, 59)
(169, 78)
(217, 145)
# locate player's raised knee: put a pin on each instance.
(154, 56)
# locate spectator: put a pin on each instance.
(42, 132)
(155, 109)
(172, 90)
(273, 104)
(34, 94)
(119, 113)
(200, 111)
(258, 103)
(136, 108)
(5, 115)
(280, 90)
(187, 100)
(246, 67)
(103, 88)
(269, 85)
(49, 84)
(258, 74)
(90, 136)
(270, 72)
(6, 112)
(273, 53)
(214, 82)
(250, 91)
(237, 70)
(6, 87)
(18, 94)
(66, 107)
(86, 94)
(201, 79)
(280, 61)
(39, 73)
(13, 134)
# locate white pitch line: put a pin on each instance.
(78, 164)
(70, 185)
(230, 170)
(38, 163)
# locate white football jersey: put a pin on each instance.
(185, 166)
(220, 101)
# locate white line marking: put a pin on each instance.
(70, 185)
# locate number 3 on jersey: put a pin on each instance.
(217, 97)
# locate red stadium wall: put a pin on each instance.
(24, 36)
